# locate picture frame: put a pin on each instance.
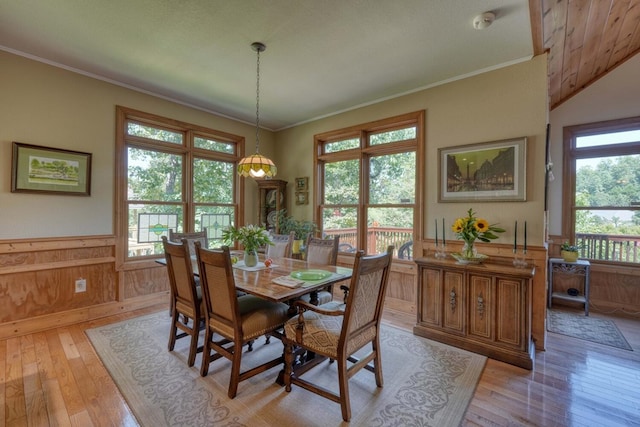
(302, 184)
(302, 197)
(37, 169)
(489, 171)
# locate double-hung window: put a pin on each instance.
(368, 182)
(602, 175)
(173, 175)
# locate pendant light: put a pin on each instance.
(257, 165)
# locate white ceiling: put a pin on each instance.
(322, 57)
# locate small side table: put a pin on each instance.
(579, 268)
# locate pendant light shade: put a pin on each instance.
(257, 165)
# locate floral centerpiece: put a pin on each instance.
(469, 229)
(251, 237)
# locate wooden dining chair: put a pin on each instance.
(338, 334)
(322, 251)
(238, 320)
(197, 236)
(186, 298)
(281, 247)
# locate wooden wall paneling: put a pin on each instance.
(401, 292)
(37, 283)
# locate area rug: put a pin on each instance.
(425, 383)
(577, 325)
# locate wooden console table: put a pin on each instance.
(484, 308)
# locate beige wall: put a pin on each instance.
(49, 106)
(506, 103)
(614, 96)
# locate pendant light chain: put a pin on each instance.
(258, 101)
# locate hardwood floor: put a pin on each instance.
(54, 378)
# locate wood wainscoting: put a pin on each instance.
(37, 283)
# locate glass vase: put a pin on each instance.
(250, 258)
(469, 250)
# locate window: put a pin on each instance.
(368, 182)
(173, 175)
(603, 174)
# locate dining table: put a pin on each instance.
(284, 279)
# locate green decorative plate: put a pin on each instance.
(311, 274)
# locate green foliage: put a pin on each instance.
(301, 228)
(470, 228)
(566, 246)
(250, 236)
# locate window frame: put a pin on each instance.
(571, 153)
(189, 154)
(363, 153)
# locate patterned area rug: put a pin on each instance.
(425, 383)
(577, 325)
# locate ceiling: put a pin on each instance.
(322, 57)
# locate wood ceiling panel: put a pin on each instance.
(585, 39)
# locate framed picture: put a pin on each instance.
(302, 184)
(36, 169)
(302, 197)
(490, 171)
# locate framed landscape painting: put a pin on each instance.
(37, 169)
(490, 171)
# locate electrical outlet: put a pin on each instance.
(81, 285)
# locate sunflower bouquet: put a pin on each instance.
(470, 228)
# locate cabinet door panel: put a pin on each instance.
(431, 297)
(510, 318)
(480, 307)
(454, 301)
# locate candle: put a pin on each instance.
(515, 239)
(443, 233)
(525, 237)
(436, 232)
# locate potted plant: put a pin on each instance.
(300, 228)
(570, 252)
(251, 237)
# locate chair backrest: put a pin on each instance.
(219, 290)
(181, 277)
(322, 251)
(365, 301)
(197, 236)
(282, 245)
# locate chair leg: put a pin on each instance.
(288, 365)
(377, 362)
(193, 348)
(206, 353)
(235, 369)
(343, 380)
(173, 331)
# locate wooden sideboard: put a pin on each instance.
(483, 308)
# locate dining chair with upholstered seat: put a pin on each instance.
(325, 252)
(281, 246)
(186, 298)
(238, 320)
(338, 334)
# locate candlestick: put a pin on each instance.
(436, 232)
(515, 239)
(525, 238)
(443, 233)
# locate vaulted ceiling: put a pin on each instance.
(585, 39)
(322, 57)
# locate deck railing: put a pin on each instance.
(607, 247)
(378, 238)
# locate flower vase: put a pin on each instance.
(250, 258)
(469, 251)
